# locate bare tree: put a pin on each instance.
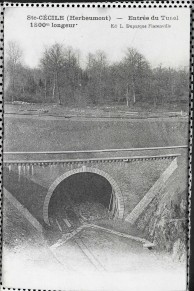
(135, 68)
(97, 71)
(13, 60)
(61, 77)
(52, 63)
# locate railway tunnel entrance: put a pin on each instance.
(80, 196)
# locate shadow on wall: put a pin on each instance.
(27, 192)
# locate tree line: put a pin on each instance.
(60, 78)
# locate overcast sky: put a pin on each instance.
(169, 47)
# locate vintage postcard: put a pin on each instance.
(96, 147)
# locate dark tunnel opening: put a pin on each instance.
(80, 190)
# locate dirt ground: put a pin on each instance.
(100, 110)
(28, 262)
(127, 266)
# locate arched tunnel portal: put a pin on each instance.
(80, 186)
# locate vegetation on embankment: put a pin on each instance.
(42, 134)
(165, 220)
(17, 231)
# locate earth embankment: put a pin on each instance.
(40, 134)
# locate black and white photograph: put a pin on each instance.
(96, 148)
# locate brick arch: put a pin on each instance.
(116, 189)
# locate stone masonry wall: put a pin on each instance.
(134, 179)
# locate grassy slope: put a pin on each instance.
(16, 229)
(50, 135)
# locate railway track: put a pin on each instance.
(70, 231)
(90, 256)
